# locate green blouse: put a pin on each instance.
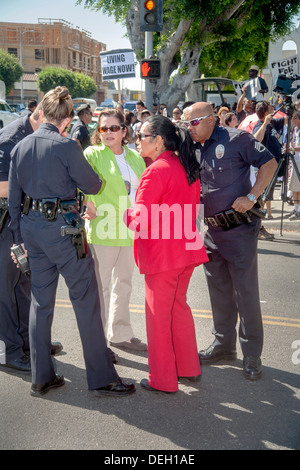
(112, 200)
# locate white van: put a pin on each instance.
(79, 101)
(6, 114)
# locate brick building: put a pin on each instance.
(51, 42)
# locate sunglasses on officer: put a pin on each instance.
(113, 128)
(194, 122)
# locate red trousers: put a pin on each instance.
(172, 346)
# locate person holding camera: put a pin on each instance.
(266, 131)
(49, 168)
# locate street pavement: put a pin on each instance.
(281, 212)
(222, 412)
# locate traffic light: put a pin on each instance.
(151, 15)
(150, 68)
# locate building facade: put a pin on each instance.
(51, 43)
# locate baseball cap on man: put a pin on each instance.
(254, 67)
(82, 108)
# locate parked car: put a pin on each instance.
(130, 105)
(108, 103)
(6, 114)
(91, 126)
(97, 111)
(18, 107)
(79, 101)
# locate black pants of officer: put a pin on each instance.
(14, 302)
(50, 254)
(232, 278)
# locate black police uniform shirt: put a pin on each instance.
(226, 158)
(10, 135)
(81, 133)
(270, 140)
(47, 165)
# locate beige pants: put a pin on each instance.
(114, 269)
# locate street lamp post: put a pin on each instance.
(21, 59)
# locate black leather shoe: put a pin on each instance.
(216, 353)
(38, 390)
(145, 384)
(118, 388)
(252, 367)
(195, 378)
(56, 348)
(21, 364)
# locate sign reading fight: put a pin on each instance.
(118, 63)
(286, 66)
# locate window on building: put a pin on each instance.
(13, 51)
(11, 35)
(56, 56)
(39, 54)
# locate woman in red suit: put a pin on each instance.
(167, 248)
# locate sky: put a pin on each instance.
(103, 28)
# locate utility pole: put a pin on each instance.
(21, 59)
(148, 84)
(151, 17)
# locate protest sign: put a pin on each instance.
(117, 64)
(252, 91)
(286, 66)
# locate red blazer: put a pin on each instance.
(164, 218)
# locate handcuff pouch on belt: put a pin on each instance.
(3, 212)
(228, 219)
(48, 206)
(74, 227)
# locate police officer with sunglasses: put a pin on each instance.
(226, 155)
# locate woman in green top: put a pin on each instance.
(111, 242)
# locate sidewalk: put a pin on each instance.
(277, 212)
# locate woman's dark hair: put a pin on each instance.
(261, 109)
(228, 118)
(128, 117)
(177, 139)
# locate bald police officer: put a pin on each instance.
(231, 238)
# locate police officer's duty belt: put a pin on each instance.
(49, 206)
(228, 219)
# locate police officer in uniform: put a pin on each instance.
(80, 132)
(231, 238)
(14, 285)
(49, 168)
